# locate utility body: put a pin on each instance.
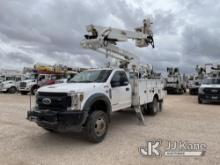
(209, 91)
(202, 71)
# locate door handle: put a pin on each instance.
(127, 89)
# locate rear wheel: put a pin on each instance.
(153, 107)
(12, 90)
(97, 126)
(200, 100)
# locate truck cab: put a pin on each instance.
(34, 81)
(88, 99)
(209, 91)
(175, 82)
(194, 84)
(10, 83)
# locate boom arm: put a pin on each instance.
(104, 40)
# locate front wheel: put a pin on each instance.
(12, 90)
(200, 100)
(97, 126)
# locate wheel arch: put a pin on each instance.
(98, 100)
(156, 96)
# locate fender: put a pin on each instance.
(98, 96)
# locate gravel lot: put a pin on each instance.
(22, 142)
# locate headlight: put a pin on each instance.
(76, 99)
(201, 90)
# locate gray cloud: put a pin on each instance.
(50, 31)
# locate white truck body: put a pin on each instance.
(175, 82)
(120, 97)
(209, 91)
(10, 86)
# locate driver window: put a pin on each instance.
(41, 77)
(119, 79)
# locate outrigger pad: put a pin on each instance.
(139, 116)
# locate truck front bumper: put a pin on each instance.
(64, 121)
(3, 89)
(24, 89)
(171, 89)
(209, 97)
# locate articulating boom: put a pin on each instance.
(104, 40)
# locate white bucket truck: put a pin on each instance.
(86, 102)
(209, 91)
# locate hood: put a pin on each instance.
(7, 82)
(68, 87)
(210, 86)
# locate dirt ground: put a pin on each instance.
(23, 142)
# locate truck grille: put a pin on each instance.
(212, 90)
(23, 84)
(53, 101)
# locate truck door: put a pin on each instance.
(121, 91)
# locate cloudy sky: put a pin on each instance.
(187, 32)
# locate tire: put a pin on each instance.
(34, 90)
(180, 91)
(153, 107)
(160, 105)
(97, 126)
(200, 100)
(12, 90)
(23, 92)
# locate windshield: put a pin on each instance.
(31, 76)
(212, 81)
(91, 76)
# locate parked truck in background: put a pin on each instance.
(209, 91)
(43, 75)
(175, 81)
(9, 82)
(201, 72)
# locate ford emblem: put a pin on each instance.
(46, 101)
